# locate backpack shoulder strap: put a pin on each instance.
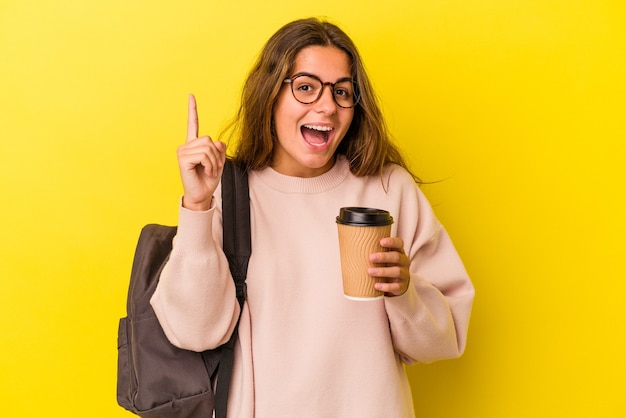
(236, 224)
(237, 247)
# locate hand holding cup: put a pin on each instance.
(392, 265)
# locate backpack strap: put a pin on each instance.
(237, 247)
(236, 224)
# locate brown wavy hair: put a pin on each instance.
(367, 144)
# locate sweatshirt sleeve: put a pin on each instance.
(430, 321)
(195, 300)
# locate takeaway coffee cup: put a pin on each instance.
(360, 231)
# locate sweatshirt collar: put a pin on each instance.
(288, 184)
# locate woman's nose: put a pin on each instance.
(326, 101)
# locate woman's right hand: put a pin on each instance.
(201, 162)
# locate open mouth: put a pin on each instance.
(316, 135)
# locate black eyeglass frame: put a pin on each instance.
(355, 93)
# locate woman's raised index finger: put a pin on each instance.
(192, 119)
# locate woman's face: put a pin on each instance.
(309, 134)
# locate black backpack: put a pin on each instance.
(156, 379)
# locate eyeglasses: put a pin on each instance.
(307, 89)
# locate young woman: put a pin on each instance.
(312, 138)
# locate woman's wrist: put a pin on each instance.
(197, 206)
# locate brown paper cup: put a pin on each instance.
(357, 240)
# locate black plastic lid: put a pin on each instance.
(364, 217)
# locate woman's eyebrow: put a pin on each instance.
(347, 78)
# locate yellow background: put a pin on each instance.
(517, 105)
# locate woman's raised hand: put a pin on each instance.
(201, 162)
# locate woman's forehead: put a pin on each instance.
(329, 63)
